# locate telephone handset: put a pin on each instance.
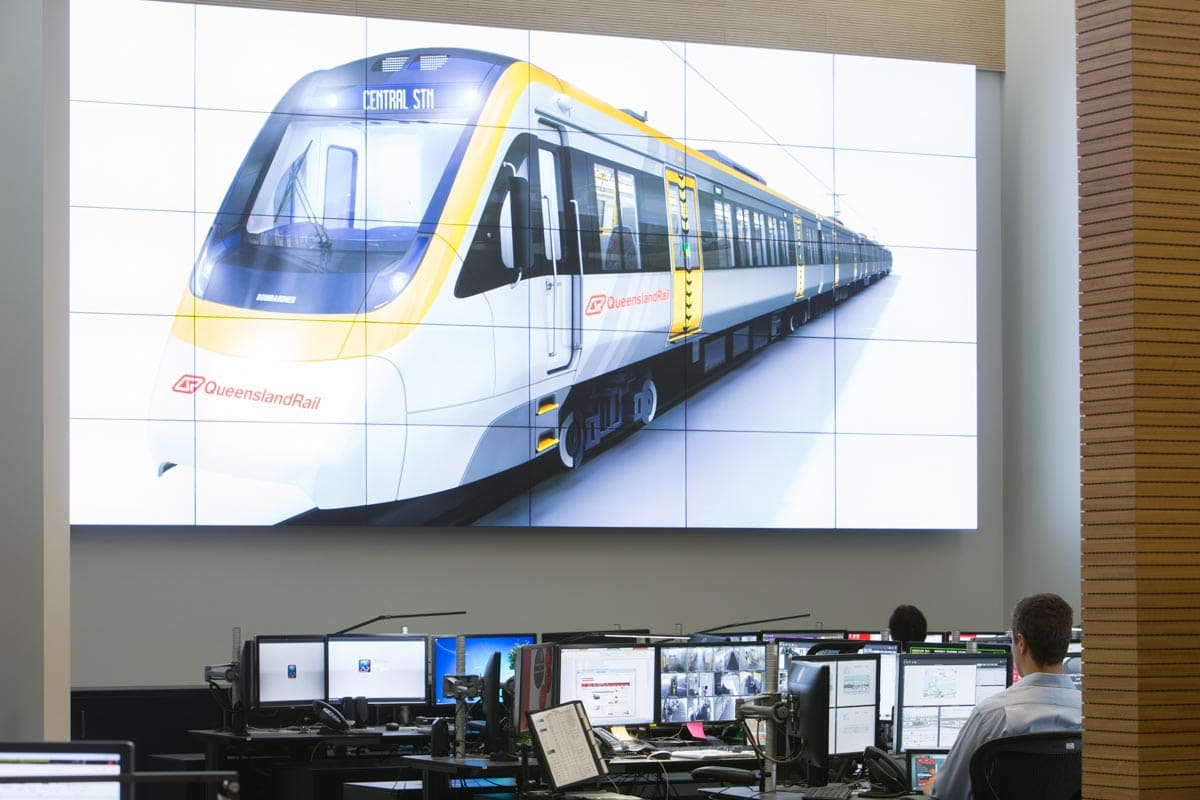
(888, 777)
(609, 744)
(330, 717)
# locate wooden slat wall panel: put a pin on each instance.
(954, 31)
(1139, 169)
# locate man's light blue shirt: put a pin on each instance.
(1040, 701)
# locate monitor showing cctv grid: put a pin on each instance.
(703, 682)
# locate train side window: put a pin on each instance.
(484, 267)
(716, 231)
(606, 216)
(626, 232)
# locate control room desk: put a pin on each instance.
(438, 771)
(283, 763)
(752, 793)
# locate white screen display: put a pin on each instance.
(293, 296)
(937, 695)
(853, 701)
(615, 684)
(54, 763)
(378, 668)
(290, 672)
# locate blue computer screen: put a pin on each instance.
(478, 648)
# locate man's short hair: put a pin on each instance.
(907, 624)
(1045, 622)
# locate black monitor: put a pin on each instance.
(853, 699)
(616, 683)
(289, 671)
(384, 669)
(478, 648)
(703, 682)
(495, 719)
(969, 636)
(79, 758)
(808, 724)
(936, 692)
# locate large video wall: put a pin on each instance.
(328, 269)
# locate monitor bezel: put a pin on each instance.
(831, 658)
(933, 658)
(303, 638)
(435, 678)
(123, 748)
(560, 674)
(384, 637)
(660, 671)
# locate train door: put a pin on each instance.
(554, 288)
(798, 226)
(687, 274)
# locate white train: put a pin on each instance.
(436, 265)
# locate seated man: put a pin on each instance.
(1043, 700)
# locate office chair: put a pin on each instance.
(1029, 766)
(730, 776)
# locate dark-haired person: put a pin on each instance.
(1043, 700)
(907, 624)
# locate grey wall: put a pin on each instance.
(1041, 303)
(151, 606)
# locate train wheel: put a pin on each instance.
(570, 439)
(650, 392)
(793, 321)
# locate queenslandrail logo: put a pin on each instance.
(597, 303)
(190, 384)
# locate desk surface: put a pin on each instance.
(299, 735)
(452, 765)
(752, 793)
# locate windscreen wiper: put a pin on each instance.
(295, 188)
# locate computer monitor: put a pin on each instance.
(889, 666)
(969, 636)
(478, 647)
(866, 636)
(289, 670)
(593, 637)
(384, 669)
(966, 647)
(535, 679)
(853, 699)
(52, 759)
(702, 682)
(803, 633)
(808, 724)
(615, 683)
(922, 766)
(937, 691)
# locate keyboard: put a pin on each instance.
(832, 791)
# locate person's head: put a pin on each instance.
(1041, 630)
(907, 624)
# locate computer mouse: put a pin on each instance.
(660, 755)
(392, 726)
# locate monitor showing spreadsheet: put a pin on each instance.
(40, 760)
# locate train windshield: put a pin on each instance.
(337, 184)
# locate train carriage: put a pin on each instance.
(436, 265)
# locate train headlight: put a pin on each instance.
(203, 272)
(398, 281)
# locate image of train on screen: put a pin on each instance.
(434, 266)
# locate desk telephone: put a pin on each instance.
(610, 745)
